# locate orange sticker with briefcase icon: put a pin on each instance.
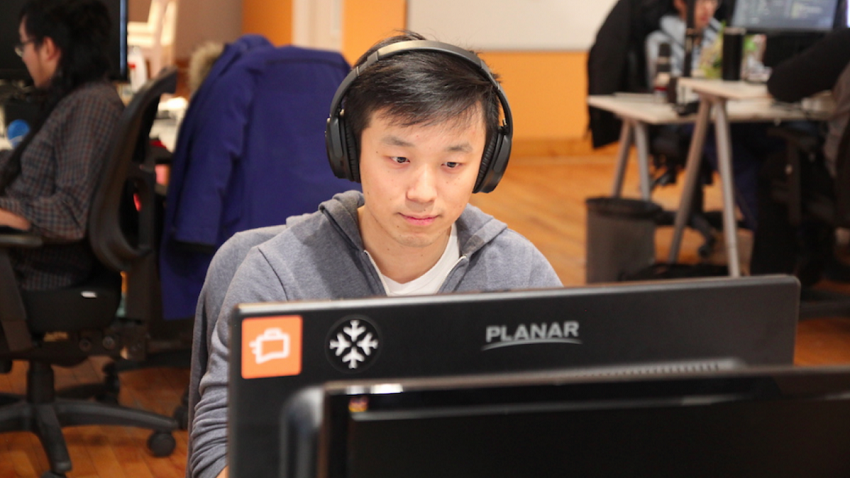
(271, 346)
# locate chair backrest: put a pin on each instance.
(110, 236)
(221, 272)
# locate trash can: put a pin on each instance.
(620, 237)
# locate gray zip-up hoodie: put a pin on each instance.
(320, 256)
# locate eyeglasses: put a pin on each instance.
(19, 47)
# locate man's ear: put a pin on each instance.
(49, 49)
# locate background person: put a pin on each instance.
(807, 251)
(47, 181)
(672, 29)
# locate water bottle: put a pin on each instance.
(663, 69)
(16, 131)
(138, 68)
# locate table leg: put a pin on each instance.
(724, 165)
(642, 143)
(692, 168)
(626, 137)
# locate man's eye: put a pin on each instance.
(399, 159)
(452, 165)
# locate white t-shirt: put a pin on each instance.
(429, 282)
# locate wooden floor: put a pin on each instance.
(542, 198)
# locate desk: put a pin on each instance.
(716, 95)
(751, 103)
(636, 111)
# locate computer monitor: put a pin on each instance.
(13, 69)
(771, 16)
(777, 422)
(277, 349)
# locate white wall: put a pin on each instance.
(510, 25)
(317, 24)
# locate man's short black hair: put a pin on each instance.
(419, 88)
(80, 29)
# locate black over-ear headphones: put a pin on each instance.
(341, 144)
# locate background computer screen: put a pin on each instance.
(11, 66)
(785, 15)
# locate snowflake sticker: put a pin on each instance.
(353, 343)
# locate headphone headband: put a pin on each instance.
(342, 155)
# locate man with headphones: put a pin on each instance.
(417, 123)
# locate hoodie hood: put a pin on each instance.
(474, 228)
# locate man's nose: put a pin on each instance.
(423, 186)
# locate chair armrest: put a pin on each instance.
(19, 239)
(161, 155)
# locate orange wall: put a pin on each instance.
(547, 90)
(367, 21)
(270, 18)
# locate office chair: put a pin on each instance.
(64, 327)
(284, 93)
(222, 269)
(829, 207)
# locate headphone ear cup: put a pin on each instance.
(494, 162)
(335, 147)
(350, 147)
(486, 162)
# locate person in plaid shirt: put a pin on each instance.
(47, 181)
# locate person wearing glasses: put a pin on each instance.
(672, 31)
(47, 181)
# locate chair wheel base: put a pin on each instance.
(108, 398)
(161, 444)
